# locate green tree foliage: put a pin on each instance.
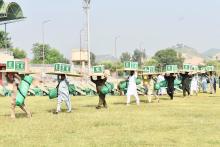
(168, 57)
(112, 66)
(151, 62)
(126, 56)
(138, 56)
(214, 63)
(5, 41)
(18, 53)
(51, 55)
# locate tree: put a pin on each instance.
(151, 62)
(18, 53)
(5, 41)
(51, 55)
(168, 57)
(112, 66)
(125, 57)
(214, 63)
(138, 56)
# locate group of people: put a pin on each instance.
(191, 83)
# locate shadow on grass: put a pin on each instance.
(90, 106)
(62, 110)
(17, 115)
(213, 96)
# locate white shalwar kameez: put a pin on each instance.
(63, 95)
(194, 85)
(132, 90)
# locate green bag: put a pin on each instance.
(72, 89)
(53, 93)
(23, 90)
(123, 85)
(107, 88)
(163, 83)
(138, 81)
(156, 86)
(177, 82)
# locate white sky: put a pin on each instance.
(155, 24)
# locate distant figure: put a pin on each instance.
(162, 90)
(151, 90)
(63, 93)
(212, 83)
(215, 83)
(186, 78)
(145, 82)
(132, 88)
(99, 82)
(194, 84)
(14, 80)
(204, 83)
(170, 84)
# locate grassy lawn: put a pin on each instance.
(193, 121)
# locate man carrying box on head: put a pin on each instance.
(100, 82)
(170, 78)
(132, 88)
(63, 93)
(186, 80)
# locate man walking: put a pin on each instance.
(99, 82)
(170, 84)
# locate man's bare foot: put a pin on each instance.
(29, 115)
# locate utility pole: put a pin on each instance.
(86, 7)
(43, 39)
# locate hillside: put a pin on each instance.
(190, 54)
(211, 53)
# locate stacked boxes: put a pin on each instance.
(172, 68)
(62, 67)
(129, 65)
(15, 65)
(149, 69)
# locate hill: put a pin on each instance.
(190, 54)
(209, 54)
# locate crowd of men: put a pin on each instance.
(191, 83)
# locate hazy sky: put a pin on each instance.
(155, 24)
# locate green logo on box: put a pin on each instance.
(10, 65)
(61, 67)
(19, 65)
(171, 68)
(130, 65)
(98, 69)
(149, 69)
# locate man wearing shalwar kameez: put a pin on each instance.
(170, 84)
(194, 84)
(186, 79)
(132, 88)
(100, 82)
(151, 89)
(63, 93)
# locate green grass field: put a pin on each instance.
(193, 121)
